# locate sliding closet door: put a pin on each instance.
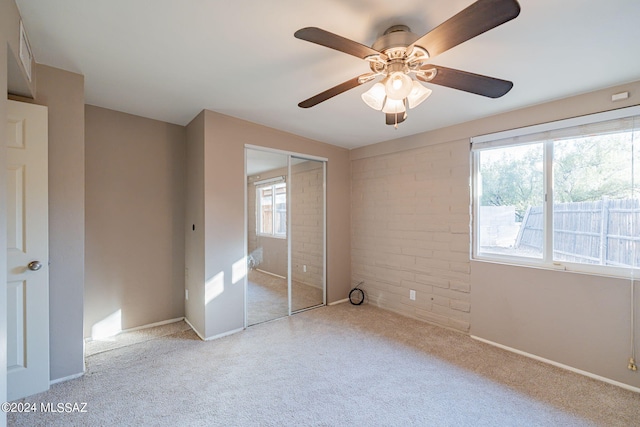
(286, 251)
(267, 239)
(307, 239)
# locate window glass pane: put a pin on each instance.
(511, 194)
(280, 223)
(272, 213)
(595, 210)
(266, 214)
(635, 220)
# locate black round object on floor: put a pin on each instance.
(356, 296)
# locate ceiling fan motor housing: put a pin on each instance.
(398, 36)
(393, 45)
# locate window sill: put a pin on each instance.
(590, 270)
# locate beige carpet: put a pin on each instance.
(267, 297)
(341, 365)
(134, 337)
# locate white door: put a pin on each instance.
(27, 251)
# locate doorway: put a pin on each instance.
(285, 234)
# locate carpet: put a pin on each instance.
(332, 366)
(96, 346)
(267, 297)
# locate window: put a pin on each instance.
(511, 192)
(271, 209)
(564, 194)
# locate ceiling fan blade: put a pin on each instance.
(481, 16)
(334, 41)
(330, 93)
(468, 82)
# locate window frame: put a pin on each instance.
(488, 141)
(272, 185)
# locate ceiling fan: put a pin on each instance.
(398, 54)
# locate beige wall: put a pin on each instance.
(63, 93)
(224, 229)
(223, 224)
(273, 251)
(194, 226)
(135, 183)
(578, 320)
(411, 231)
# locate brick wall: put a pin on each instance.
(410, 231)
(307, 224)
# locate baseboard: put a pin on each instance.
(311, 285)
(194, 329)
(559, 365)
(215, 337)
(137, 328)
(153, 325)
(224, 334)
(271, 274)
(339, 301)
(68, 378)
(284, 278)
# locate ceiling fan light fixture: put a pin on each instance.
(418, 94)
(398, 85)
(394, 106)
(375, 96)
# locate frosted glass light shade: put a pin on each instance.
(398, 85)
(375, 96)
(418, 94)
(393, 106)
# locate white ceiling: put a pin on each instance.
(168, 59)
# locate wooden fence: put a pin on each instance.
(604, 232)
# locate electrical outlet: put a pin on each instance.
(304, 268)
(186, 294)
(412, 295)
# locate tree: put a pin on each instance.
(584, 169)
(512, 176)
(590, 168)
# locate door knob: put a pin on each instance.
(34, 265)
